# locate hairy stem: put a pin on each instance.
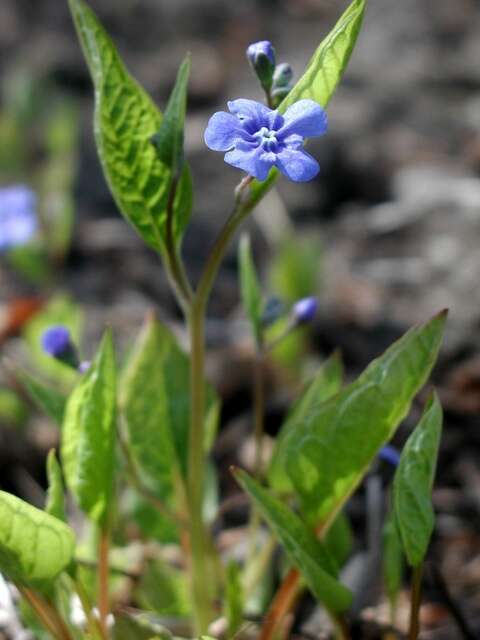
(415, 602)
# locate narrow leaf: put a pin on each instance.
(393, 561)
(233, 598)
(48, 399)
(413, 481)
(325, 384)
(34, 546)
(55, 503)
(302, 547)
(329, 450)
(250, 288)
(125, 120)
(88, 435)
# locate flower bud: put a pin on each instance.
(389, 454)
(57, 342)
(282, 75)
(304, 310)
(261, 56)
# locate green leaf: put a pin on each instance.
(88, 435)
(233, 598)
(169, 140)
(393, 561)
(330, 60)
(138, 627)
(303, 549)
(164, 589)
(46, 398)
(155, 400)
(413, 481)
(34, 546)
(55, 503)
(13, 410)
(339, 540)
(326, 383)
(250, 288)
(328, 451)
(296, 267)
(125, 120)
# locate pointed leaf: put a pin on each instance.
(88, 435)
(325, 384)
(125, 121)
(34, 546)
(413, 481)
(55, 503)
(250, 288)
(303, 549)
(329, 450)
(46, 398)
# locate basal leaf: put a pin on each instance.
(328, 451)
(34, 546)
(325, 384)
(307, 553)
(250, 288)
(125, 121)
(55, 503)
(46, 398)
(413, 481)
(88, 434)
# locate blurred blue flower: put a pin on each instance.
(257, 138)
(18, 218)
(56, 341)
(262, 48)
(304, 310)
(389, 454)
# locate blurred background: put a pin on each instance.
(385, 237)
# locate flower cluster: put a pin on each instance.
(257, 138)
(18, 218)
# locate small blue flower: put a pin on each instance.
(257, 138)
(389, 454)
(304, 310)
(262, 48)
(18, 219)
(56, 341)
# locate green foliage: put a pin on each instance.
(55, 503)
(164, 590)
(34, 546)
(234, 598)
(125, 120)
(12, 409)
(296, 267)
(326, 383)
(88, 435)
(339, 540)
(393, 562)
(250, 288)
(328, 451)
(412, 485)
(302, 547)
(138, 627)
(48, 399)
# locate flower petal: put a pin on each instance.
(305, 117)
(298, 165)
(222, 131)
(244, 108)
(254, 162)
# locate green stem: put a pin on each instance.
(103, 575)
(415, 602)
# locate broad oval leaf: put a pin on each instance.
(34, 546)
(55, 503)
(413, 481)
(326, 383)
(250, 288)
(125, 120)
(329, 450)
(307, 553)
(88, 434)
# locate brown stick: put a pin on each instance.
(282, 603)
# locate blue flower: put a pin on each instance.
(56, 341)
(389, 454)
(257, 138)
(262, 48)
(304, 310)
(18, 219)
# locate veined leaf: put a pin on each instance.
(325, 384)
(47, 398)
(34, 546)
(125, 121)
(330, 449)
(413, 481)
(154, 398)
(307, 553)
(88, 435)
(250, 288)
(55, 503)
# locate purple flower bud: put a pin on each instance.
(57, 342)
(18, 219)
(304, 310)
(283, 75)
(389, 454)
(262, 48)
(84, 366)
